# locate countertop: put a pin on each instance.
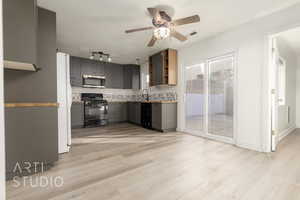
(152, 101)
(32, 104)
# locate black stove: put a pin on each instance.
(95, 110)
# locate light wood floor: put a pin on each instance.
(125, 162)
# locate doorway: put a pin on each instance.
(209, 98)
(284, 53)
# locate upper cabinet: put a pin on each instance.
(20, 34)
(116, 76)
(132, 77)
(163, 68)
(75, 71)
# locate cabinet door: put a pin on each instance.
(77, 115)
(157, 64)
(124, 112)
(114, 76)
(127, 77)
(100, 68)
(137, 113)
(132, 112)
(75, 72)
(117, 112)
(88, 67)
(135, 77)
(110, 112)
(157, 116)
(93, 67)
(169, 116)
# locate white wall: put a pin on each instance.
(2, 143)
(250, 42)
(298, 95)
(290, 57)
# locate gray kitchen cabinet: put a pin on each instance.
(114, 76)
(75, 71)
(131, 77)
(127, 77)
(163, 68)
(134, 112)
(88, 67)
(117, 112)
(30, 136)
(77, 115)
(157, 62)
(164, 116)
(157, 116)
(100, 68)
(136, 82)
(20, 20)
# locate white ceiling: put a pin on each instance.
(292, 37)
(85, 25)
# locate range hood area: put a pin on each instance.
(20, 66)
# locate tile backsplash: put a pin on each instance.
(123, 95)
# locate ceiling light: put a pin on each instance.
(161, 32)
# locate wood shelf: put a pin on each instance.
(26, 105)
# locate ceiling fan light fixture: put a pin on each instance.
(162, 32)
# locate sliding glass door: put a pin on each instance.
(220, 96)
(209, 98)
(195, 97)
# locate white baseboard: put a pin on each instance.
(285, 133)
(249, 146)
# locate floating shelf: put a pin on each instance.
(20, 66)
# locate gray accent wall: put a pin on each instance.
(23, 86)
(20, 30)
(32, 133)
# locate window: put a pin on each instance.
(281, 81)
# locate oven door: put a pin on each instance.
(95, 112)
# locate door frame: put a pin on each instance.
(273, 70)
(267, 141)
(2, 133)
(266, 126)
(205, 133)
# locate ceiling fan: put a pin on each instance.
(164, 26)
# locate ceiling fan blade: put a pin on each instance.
(178, 36)
(152, 41)
(153, 12)
(138, 29)
(186, 20)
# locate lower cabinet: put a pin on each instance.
(77, 115)
(164, 116)
(117, 112)
(134, 112)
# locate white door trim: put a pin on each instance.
(2, 133)
(266, 125)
